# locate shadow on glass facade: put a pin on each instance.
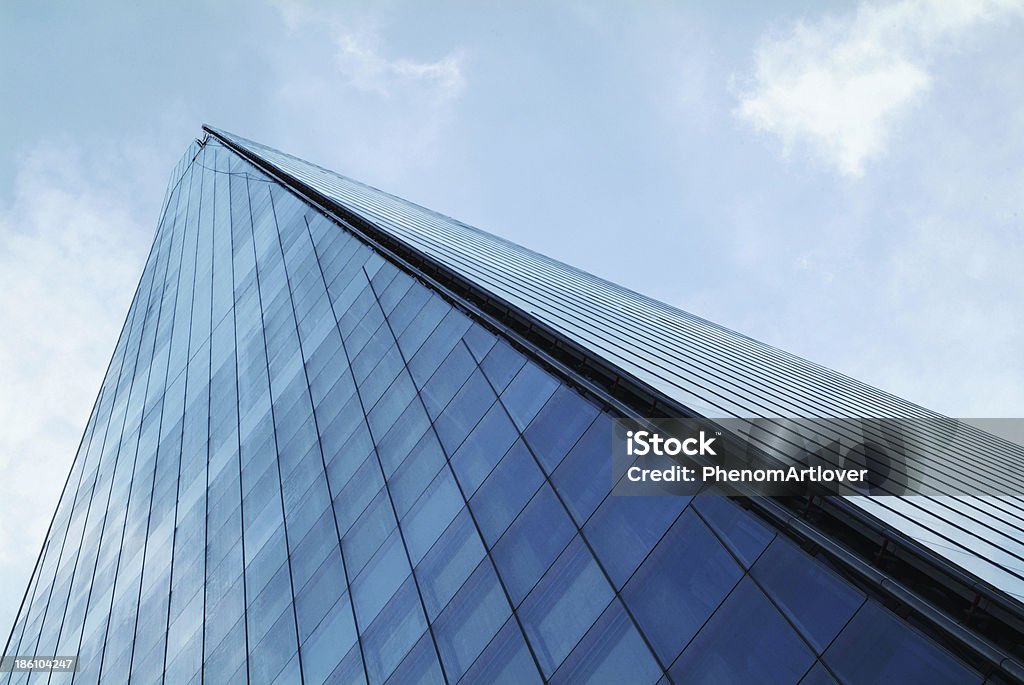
(306, 466)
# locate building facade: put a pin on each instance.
(315, 459)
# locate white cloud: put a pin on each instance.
(70, 255)
(842, 84)
(381, 115)
(360, 60)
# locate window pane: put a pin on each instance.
(816, 600)
(332, 638)
(625, 529)
(876, 647)
(380, 580)
(470, 621)
(431, 514)
(564, 605)
(584, 477)
(484, 447)
(420, 666)
(464, 411)
(738, 529)
(611, 652)
(746, 641)
(558, 426)
(818, 675)
(505, 492)
(531, 544)
(393, 633)
(506, 661)
(527, 393)
(448, 563)
(680, 584)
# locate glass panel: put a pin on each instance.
(584, 477)
(680, 584)
(611, 652)
(564, 605)
(818, 675)
(746, 641)
(448, 563)
(393, 633)
(533, 541)
(484, 447)
(431, 514)
(558, 426)
(464, 411)
(505, 492)
(420, 666)
(625, 529)
(876, 647)
(527, 393)
(470, 620)
(737, 528)
(506, 661)
(818, 602)
(322, 651)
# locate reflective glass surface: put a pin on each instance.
(305, 465)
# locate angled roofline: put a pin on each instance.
(873, 554)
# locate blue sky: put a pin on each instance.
(842, 181)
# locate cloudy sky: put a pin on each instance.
(842, 181)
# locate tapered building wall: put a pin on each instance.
(305, 465)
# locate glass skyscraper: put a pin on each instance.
(344, 439)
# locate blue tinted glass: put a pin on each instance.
(818, 675)
(527, 393)
(319, 595)
(501, 365)
(564, 605)
(464, 411)
(269, 657)
(680, 584)
(816, 600)
(505, 492)
(372, 589)
(558, 426)
(505, 661)
(357, 494)
(416, 472)
(350, 670)
(737, 528)
(876, 647)
(403, 436)
(420, 666)
(611, 652)
(746, 641)
(431, 514)
(393, 633)
(448, 563)
(584, 477)
(484, 447)
(368, 533)
(479, 341)
(437, 346)
(446, 381)
(625, 529)
(532, 542)
(470, 620)
(332, 638)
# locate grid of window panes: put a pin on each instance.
(305, 466)
(714, 371)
